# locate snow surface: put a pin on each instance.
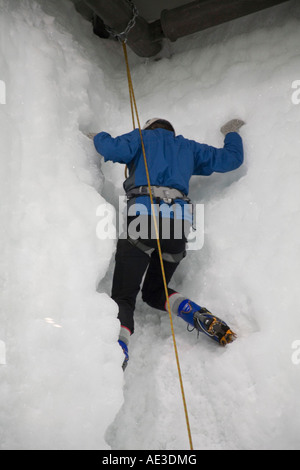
(62, 386)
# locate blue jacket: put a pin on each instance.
(172, 160)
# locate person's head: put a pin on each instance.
(157, 123)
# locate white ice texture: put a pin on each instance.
(62, 386)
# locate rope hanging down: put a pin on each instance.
(134, 111)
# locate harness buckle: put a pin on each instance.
(167, 199)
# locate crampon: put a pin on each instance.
(214, 327)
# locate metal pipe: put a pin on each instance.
(116, 14)
(202, 14)
(145, 39)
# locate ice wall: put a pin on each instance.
(57, 389)
(63, 385)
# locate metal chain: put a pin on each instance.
(124, 35)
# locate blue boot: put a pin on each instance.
(125, 351)
(124, 336)
(201, 319)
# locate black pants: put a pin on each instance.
(130, 268)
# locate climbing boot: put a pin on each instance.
(214, 327)
(126, 355)
(202, 320)
(124, 336)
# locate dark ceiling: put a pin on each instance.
(155, 20)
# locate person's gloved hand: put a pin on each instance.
(232, 126)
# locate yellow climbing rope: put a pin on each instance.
(134, 111)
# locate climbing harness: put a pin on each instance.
(169, 257)
(160, 193)
(164, 194)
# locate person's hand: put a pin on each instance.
(232, 126)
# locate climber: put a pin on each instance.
(172, 160)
